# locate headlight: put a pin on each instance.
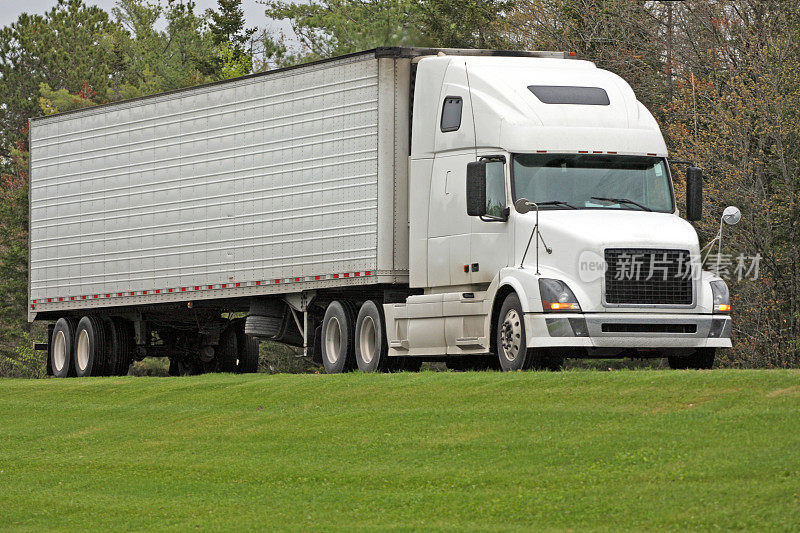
(722, 298)
(556, 296)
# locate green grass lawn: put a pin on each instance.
(636, 450)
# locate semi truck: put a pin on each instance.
(484, 208)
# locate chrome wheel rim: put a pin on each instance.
(333, 339)
(366, 339)
(82, 350)
(59, 351)
(511, 335)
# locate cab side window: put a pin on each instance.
(451, 114)
(495, 188)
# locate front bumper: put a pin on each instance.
(627, 330)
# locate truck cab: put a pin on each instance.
(543, 222)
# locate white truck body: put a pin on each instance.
(351, 175)
(234, 189)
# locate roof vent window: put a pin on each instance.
(565, 94)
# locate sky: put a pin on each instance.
(254, 12)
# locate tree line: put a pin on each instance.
(722, 77)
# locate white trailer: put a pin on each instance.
(374, 209)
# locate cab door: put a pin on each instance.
(490, 236)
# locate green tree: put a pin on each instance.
(65, 47)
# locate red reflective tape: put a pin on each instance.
(197, 288)
(238, 284)
(61, 299)
(119, 294)
(583, 151)
(357, 274)
(71, 297)
(33, 306)
(612, 152)
(158, 291)
(316, 277)
(368, 273)
(170, 290)
(258, 283)
(49, 300)
(108, 296)
(277, 281)
(183, 289)
(297, 279)
(597, 152)
(210, 287)
(96, 296)
(346, 275)
(541, 151)
(144, 292)
(651, 154)
(34, 301)
(335, 276)
(83, 297)
(133, 293)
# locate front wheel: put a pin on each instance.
(511, 340)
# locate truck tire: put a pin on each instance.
(371, 347)
(91, 341)
(701, 359)
(227, 352)
(338, 333)
(247, 350)
(510, 329)
(63, 343)
(123, 346)
(263, 327)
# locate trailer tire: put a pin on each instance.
(227, 353)
(263, 327)
(512, 352)
(122, 346)
(338, 333)
(247, 349)
(91, 342)
(63, 343)
(701, 359)
(371, 347)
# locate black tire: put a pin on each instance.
(338, 334)
(91, 347)
(371, 347)
(510, 337)
(701, 359)
(227, 352)
(263, 327)
(122, 346)
(247, 349)
(62, 348)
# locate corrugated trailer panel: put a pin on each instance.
(267, 178)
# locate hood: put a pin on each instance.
(578, 239)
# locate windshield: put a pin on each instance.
(571, 181)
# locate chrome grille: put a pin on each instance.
(648, 276)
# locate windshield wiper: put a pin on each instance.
(621, 201)
(555, 202)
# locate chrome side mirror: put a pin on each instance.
(731, 216)
(522, 206)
